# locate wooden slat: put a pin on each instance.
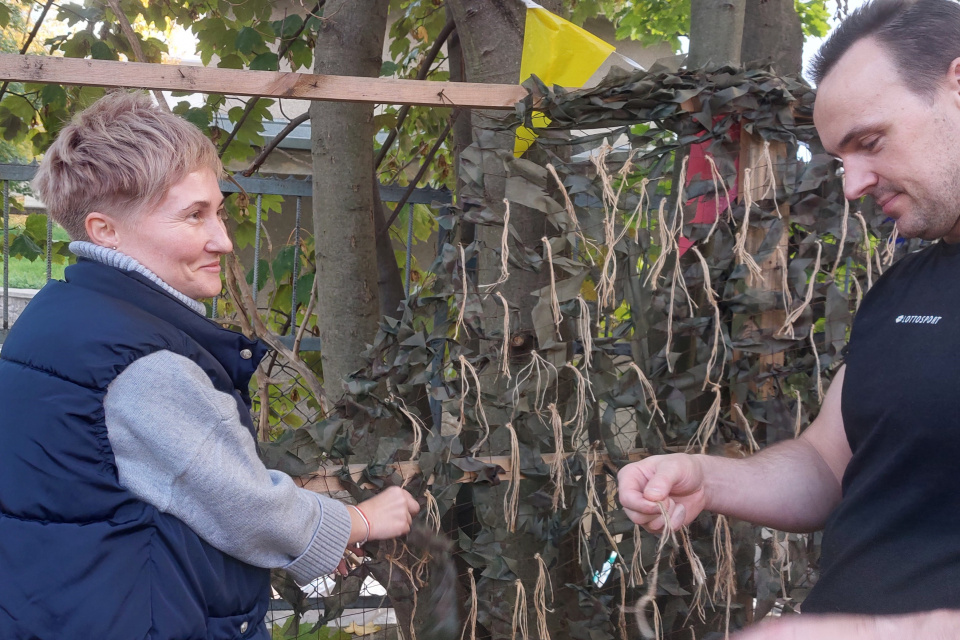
(268, 84)
(326, 480)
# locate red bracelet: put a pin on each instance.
(365, 522)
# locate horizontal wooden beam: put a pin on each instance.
(325, 480)
(268, 84)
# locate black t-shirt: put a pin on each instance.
(893, 544)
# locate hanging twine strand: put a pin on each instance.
(467, 368)
(636, 560)
(505, 349)
(868, 249)
(558, 465)
(786, 331)
(584, 329)
(843, 233)
(520, 612)
(771, 189)
(417, 425)
(568, 205)
(649, 393)
(433, 511)
(752, 446)
(472, 615)
(717, 333)
(816, 365)
(739, 249)
(504, 249)
(709, 423)
(463, 300)
(717, 178)
(579, 418)
(725, 585)
(540, 598)
(511, 501)
(554, 302)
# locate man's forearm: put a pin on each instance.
(929, 625)
(788, 487)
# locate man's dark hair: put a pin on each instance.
(922, 38)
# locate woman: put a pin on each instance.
(132, 501)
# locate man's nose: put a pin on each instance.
(858, 179)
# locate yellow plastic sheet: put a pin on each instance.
(558, 52)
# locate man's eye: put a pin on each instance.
(871, 143)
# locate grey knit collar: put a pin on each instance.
(114, 258)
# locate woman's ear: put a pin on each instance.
(102, 229)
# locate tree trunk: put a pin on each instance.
(773, 35)
(716, 30)
(349, 43)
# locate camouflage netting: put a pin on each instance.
(662, 329)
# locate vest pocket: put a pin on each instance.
(244, 626)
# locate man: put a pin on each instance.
(879, 468)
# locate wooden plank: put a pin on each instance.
(268, 84)
(325, 480)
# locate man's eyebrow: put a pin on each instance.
(856, 132)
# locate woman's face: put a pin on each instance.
(182, 238)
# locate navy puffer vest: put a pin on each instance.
(81, 558)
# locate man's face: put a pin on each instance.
(896, 145)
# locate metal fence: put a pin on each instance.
(256, 187)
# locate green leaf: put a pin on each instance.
(388, 68)
(291, 24)
(265, 62)
(36, 226)
(301, 56)
(231, 61)
(100, 51)
(4, 15)
(53, 94)
(247, 40)
(283, 263)
(199, 117)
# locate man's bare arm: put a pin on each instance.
(792, 486)
(929, 625)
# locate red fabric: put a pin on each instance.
(698, 168)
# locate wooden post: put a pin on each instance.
(767, 323)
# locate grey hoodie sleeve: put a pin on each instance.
(180, 446)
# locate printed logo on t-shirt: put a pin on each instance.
(919, 319)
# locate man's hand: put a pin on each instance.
(390, 513)
(675, 480)
(932, 625)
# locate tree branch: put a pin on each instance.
(421, 75)
(277, 139)
(252, 102)
(423, 169)
(26, 45)
(135, 46)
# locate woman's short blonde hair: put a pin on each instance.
(119, 156)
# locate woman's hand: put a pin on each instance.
(674, 480)
(390, 513)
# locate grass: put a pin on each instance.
(25, 274)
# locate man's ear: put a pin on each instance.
(102, 229)
(953, 79)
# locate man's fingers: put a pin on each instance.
(661, 484)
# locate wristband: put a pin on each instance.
(365, 522)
